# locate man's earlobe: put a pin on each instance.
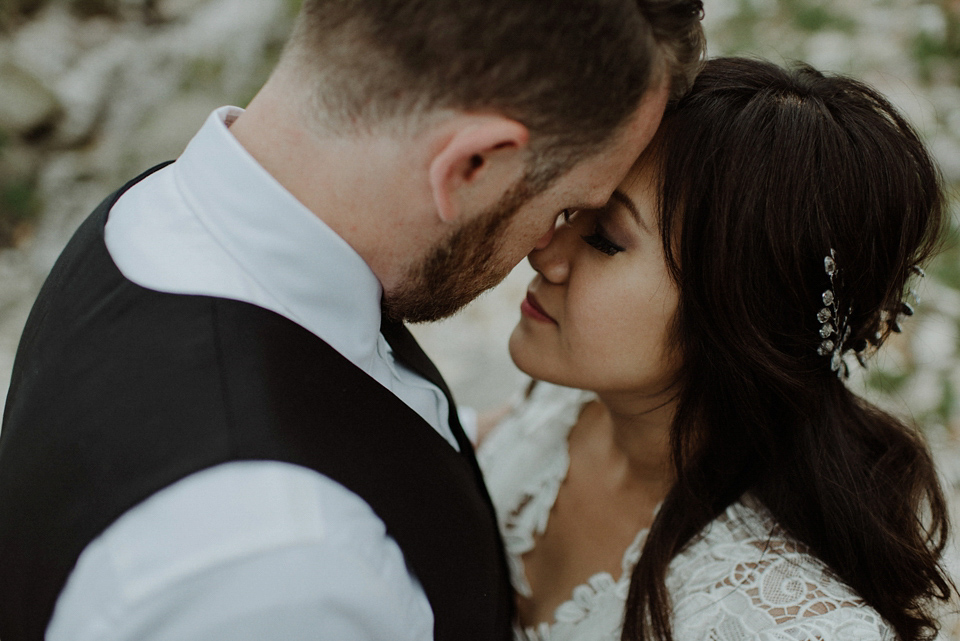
(464, 160)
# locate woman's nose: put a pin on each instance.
(551, 257)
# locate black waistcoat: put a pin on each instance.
(119, 391)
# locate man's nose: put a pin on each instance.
(546, 238)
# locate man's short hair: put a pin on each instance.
(572, 71)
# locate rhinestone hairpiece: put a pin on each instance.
(835, 328)
(906, 309)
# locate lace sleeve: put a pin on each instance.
(737, 619)
(859, 623)
(745, 579)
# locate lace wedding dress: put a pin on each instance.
(741, 578)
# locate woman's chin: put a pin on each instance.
(521, 353)
(528, 355)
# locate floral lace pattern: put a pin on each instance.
(741, 578)
(526, 459)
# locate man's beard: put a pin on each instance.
(459, 269)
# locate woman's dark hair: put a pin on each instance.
(763, 172)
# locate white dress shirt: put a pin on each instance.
(250, 550)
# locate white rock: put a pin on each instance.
(168, 130)
(829, 50)
(47, 46)
(178, 9)
(905, 94)
(923, 393)
(946, 149)
(951, 111)
(930, 20)
(937, 296)
(934, 342)
(88, 87)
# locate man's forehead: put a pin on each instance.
(645, 120)
(590, 182)
(623, 152)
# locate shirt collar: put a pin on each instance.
(316, 278)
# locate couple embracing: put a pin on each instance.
(218, 426)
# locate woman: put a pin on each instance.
(704, 473)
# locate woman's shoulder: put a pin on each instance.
(745, 577)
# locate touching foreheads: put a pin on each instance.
(571, 71)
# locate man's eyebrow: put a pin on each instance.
(624, 200)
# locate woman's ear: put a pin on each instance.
(485, 150)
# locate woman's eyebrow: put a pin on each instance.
(624, 200)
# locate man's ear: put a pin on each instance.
(466, 158)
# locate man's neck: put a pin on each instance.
(351, 183)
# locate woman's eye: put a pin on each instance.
(598, 239)
(601, 243)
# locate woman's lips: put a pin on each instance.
(531, 308)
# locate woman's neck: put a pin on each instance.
(637, 431)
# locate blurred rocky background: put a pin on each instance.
(94, 91)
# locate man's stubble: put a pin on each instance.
(461, 268)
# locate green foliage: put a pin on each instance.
(948, 403)
(259, 75)
(19, 203)
(738, 35)
(933, 52)
(203, 73)
(885, 381)
(207, 75)
(775, 30)
(945, 268)
(18, 200)
(818, 17)
(293, 7)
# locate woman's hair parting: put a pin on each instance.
(796, 210)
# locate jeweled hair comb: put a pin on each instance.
(835, 324)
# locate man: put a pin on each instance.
(212, 432)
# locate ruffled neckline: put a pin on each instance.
(531, 516)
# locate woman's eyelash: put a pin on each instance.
(598, 239)
(601, 243)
